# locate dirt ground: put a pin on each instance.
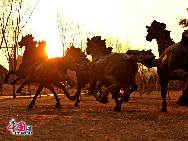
(140, 119)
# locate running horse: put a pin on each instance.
(115, 70)
(82, 72)
(173, 57)
(47, 73)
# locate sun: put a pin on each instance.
(45, 28)
(46, 25)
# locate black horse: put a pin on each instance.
(173, 58)
(115, 70)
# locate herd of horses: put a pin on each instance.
(115, 71)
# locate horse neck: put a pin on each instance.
(163, 43)
(29, 54)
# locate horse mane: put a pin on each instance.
(77, 54)
(42, 44)
(41, 51)
(98, 46)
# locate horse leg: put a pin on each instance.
(101, 97)
(115, 89)
(118, 102)
(41, 86)
(16, 80)
(77, 97)
(21, 87)
(51, 88)
(1, 89)
(164, 88)
(92, 89)
(62, 86)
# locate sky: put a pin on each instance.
(122, 19)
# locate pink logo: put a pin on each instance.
(19, 128)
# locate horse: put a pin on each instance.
(173, 57)
(40, 56)
(115, 70)
(82, 72)
(42, 72)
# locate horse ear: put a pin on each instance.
(163, 25)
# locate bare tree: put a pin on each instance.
(72, 33)
(184, 22)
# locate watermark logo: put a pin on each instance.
(19, 128)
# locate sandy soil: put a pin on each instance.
(140, 119)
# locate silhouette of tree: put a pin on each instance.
(71, 33)
(184, 22)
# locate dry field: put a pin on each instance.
(140, 119)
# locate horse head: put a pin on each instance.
(97, 46)
(76, 53)
(30, 48)
(145, 57)
(148, 58)
(184, 39)
(154, 29)
(27, 41)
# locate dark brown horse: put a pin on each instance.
(173, 58)
(115, 70)
(48, 73)
(82, 72)
(40, 56)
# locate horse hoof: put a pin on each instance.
(72, 98)
(163, 110)
(57, 105)
(102, 99)
(30, 106)
(117, 109)
(12, 83)
(18, 91)
(77, 105)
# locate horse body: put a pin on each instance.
(107, 65)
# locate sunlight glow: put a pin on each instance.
(122, 19)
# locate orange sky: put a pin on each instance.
(123, 19)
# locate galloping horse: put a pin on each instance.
(173, 61)
(46, 73)
(40, 56)
(82, 72)
(115, 70)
